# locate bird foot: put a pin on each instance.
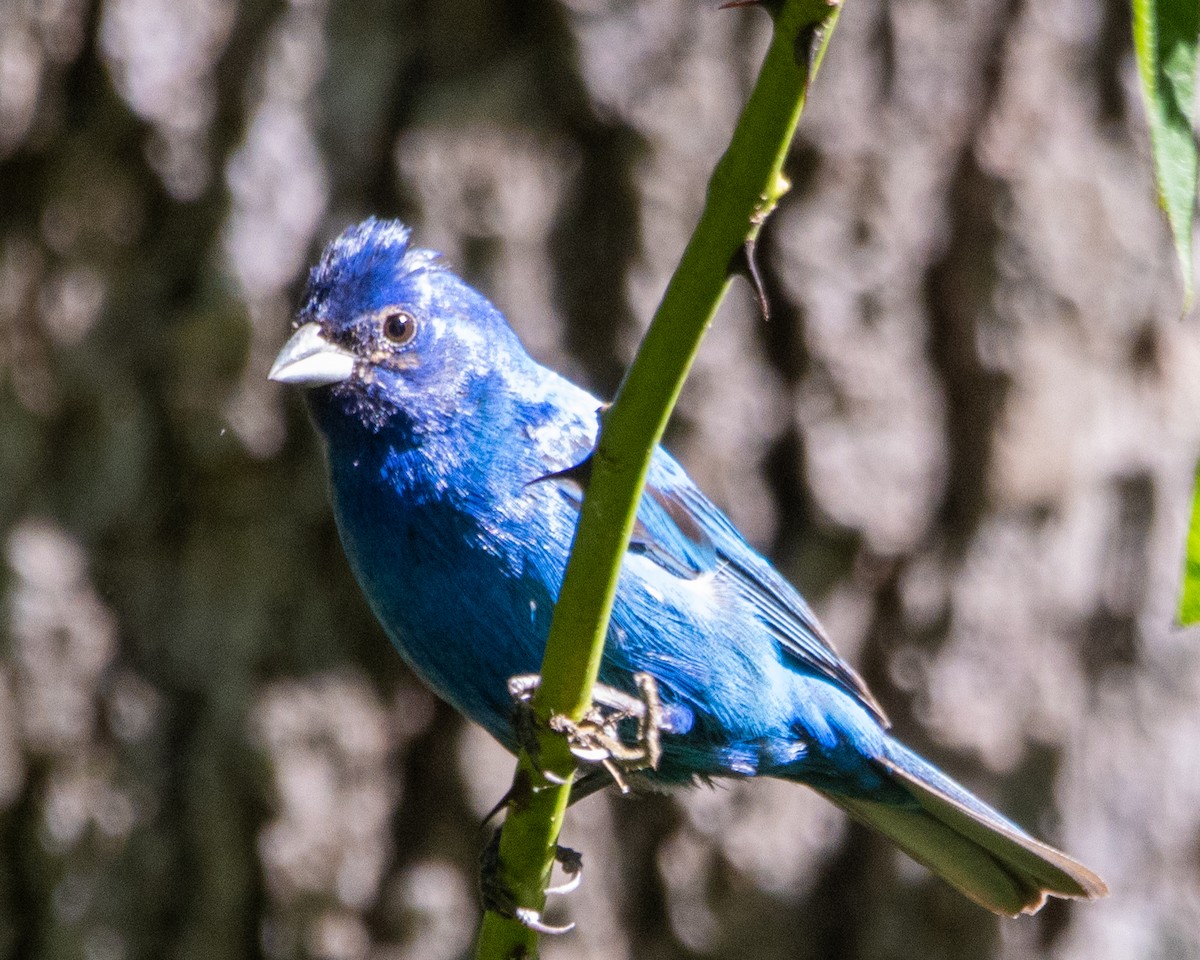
(497, 898)
(596, 738)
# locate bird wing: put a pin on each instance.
(684, 532)
(663, 530)
(775, 601)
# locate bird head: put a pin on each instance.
(386, 330)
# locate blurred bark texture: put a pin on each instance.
(967, 433)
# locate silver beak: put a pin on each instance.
(309, 360)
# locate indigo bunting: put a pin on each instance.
(450, 455)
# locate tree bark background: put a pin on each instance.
(967, 433)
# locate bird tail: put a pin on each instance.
(967, 843)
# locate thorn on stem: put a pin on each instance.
(745, 263)
(771, 6)
(579, 474)
(808, 44)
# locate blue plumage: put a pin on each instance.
(450, 455)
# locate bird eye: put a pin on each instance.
(399, 327)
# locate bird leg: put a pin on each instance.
(596, 738)
(497, 897)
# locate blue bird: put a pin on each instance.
(450, 455)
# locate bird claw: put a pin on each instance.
(497, 898)
(533, 920)
(596, 738)
(571, 862)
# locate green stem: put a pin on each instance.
(745, 186)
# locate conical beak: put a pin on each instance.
(309, 360)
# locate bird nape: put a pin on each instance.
(438, 426)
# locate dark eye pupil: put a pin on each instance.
(399, 327)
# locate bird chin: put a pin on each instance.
(353, 402)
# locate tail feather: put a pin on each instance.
(968, 844)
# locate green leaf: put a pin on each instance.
(1164, 35)
(1189, 598)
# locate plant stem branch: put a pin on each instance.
(745, 187)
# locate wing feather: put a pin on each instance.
(682, 531)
